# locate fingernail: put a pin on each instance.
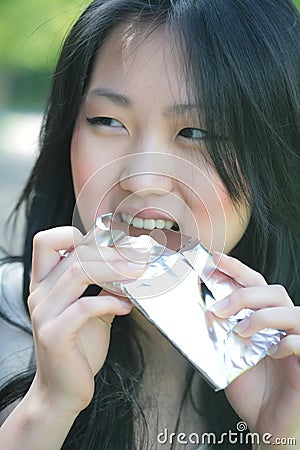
(220, 306)
(241, 327)
(220, 255)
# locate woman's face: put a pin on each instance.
(138, 147)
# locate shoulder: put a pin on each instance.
(16, 348)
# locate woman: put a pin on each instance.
(214, 85)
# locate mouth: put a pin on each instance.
(154, 223)
(149, 223)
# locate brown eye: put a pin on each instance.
(105, 122)
(193, 133)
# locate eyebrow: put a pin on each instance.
(114, 97)
(181, 109)
(118, 99)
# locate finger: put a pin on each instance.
(70, 322)
(241, 273)
(85, 253)
(92, 251)
(105, 292)
(288, 346)
(282, 318)
(73, 283)
(46, 246)
(252, 297)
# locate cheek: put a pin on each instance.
(206, 202)
(93, 156)
(79, 164)
(236, 219)
(210, 218)
(220, 225)
(237, 223)
(95, 171)
(84, 172)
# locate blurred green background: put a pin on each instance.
(31, 32)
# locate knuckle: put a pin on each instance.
(82, 306)
(260, 278)
(40, 237)
(280, 291)
(45, 337)
(34, 317)
(31, 302)
(37, 238)
(75, 270)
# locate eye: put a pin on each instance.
(193, 133)
(105, 122)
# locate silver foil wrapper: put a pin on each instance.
(175, 294)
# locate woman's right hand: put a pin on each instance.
(72, 333)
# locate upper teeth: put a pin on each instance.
(147, 224)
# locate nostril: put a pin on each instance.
(145, 183)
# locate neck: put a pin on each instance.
(165, 379)
(166, 371)
(160, 355)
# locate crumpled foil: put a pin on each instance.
(175, 294)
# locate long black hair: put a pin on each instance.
(242, 64)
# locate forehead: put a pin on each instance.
(132, 59)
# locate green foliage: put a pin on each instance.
(31, 31)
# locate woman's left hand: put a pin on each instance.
(267, 396)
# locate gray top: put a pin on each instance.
(17, 351)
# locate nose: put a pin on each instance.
(147, 173)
